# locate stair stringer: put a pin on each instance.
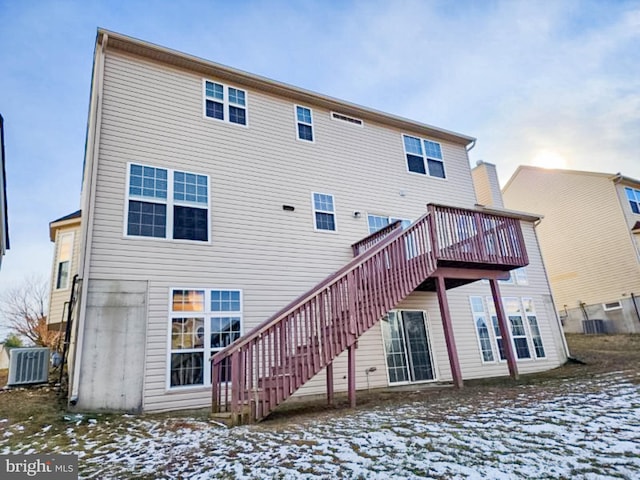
(266, 366)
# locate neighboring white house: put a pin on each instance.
(213, 198)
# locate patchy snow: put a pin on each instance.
(583, 429)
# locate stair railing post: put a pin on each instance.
(351, 374)
(215, 386)
(330, 383)
(433, 231)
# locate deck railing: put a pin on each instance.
(255, 374)
(472, 236)
(369, 241)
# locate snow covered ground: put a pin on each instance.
(564, 429)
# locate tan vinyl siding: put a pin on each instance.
(153, 115)
(583, 235)
(58, 297)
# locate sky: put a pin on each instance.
(544, 82)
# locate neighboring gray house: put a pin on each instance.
(214, 199)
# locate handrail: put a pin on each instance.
(265, 366)
(298, 302)
(370, 240)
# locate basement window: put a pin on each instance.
(612, 306)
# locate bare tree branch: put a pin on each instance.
(23, 310)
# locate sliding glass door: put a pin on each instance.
(407, 347)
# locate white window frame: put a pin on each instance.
(405, 221)
(517, 276)
(314, 211)
(59, 262)
(308, 124)
(169, 202)
(226, 103)
(434, 364)
(425, 157)
(487, 321)
(533, 314)
(490, 313)
(348, 119)
(527, 333)
(207, 314)
(630, 191)
(607, 308)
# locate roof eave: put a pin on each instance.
(182, 60)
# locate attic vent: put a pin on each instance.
(28, 365)
(345, 118)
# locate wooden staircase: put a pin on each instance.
(259, 371)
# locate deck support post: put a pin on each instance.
(504, 329)
(449, 337)
(351, 374)
(330, 383)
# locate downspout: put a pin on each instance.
(635, 305)
(584, 310)
(92, 152)
(469, 147)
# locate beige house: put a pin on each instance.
(287, 234)
(590, 238)
(65, 233)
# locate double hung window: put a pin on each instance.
(65, 250)
(165, 203)
(225, 103)
(424, 156)
(633, 196)
(304, 122)
(324, 212)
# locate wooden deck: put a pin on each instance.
(445, 248)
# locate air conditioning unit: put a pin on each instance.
(28, 365)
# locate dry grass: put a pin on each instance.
(38, 406)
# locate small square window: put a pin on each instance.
(225, 103)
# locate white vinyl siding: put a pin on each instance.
(152, 115)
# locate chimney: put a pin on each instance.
(485, 182)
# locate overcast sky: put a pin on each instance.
(537, 82)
